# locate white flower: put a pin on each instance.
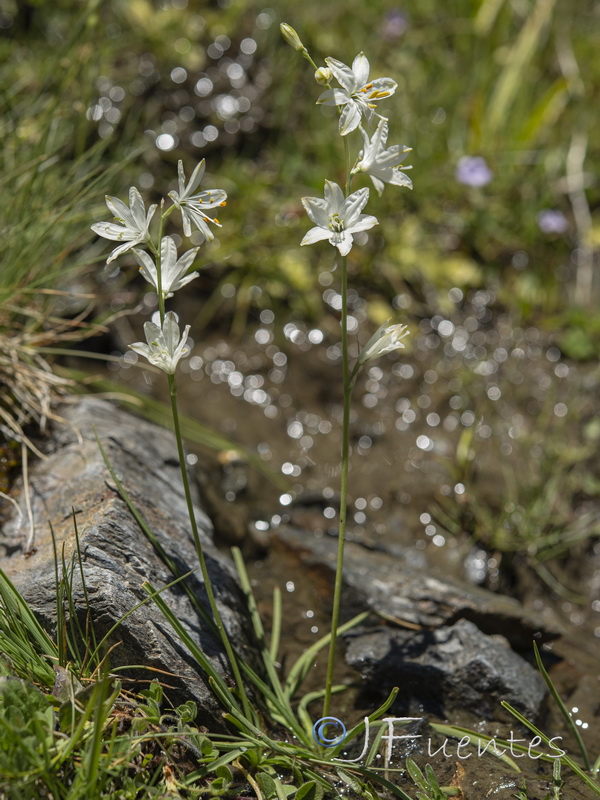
(134, 223)
(381, 164)
(164, 348)
(192, 206)
(173, 271)
(337, 217)
(385, 340)
(357, 95)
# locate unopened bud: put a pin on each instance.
(291, 37)
(323, 76)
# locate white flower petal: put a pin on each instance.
(182, 348)
(209, 199)
(333, 97)
(382, 87)
(334, 197)
(120, 250)
(187, 228)
(345, 245)
(180, 178)
(349, 118)
(196, 178)
(152, 331)
(398, 178)
(186, 261)
(171, 331)
(315, 235)
(343, 74)
(354, 204)
(142, 349)
(118, 208)
(147, 268)
(108, 230)
(317, 210)
(364, 222)
(378, 184)
(138, 212)
(360, 68)
(199, 220)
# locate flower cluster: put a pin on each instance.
(162, 268)
(337, 216)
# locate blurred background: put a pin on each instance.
(478, 447)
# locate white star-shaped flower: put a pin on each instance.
(193, 206)
(134, 220)
(173, 271)
(358, 95)
(164, 348)
(385, 340)
(337, 217)
(379, 163)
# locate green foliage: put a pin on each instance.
(588, 772)
(510, 82)
(497, 79)
(533, 515)
(429, 788)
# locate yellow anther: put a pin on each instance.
(223, 204)
(216, 220)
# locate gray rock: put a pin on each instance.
(449, 668)
(117, 557)
(398, 589)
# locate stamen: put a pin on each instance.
(335, 223)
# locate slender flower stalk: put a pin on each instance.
(345, 458)
(164, 346)
(233, 662)
(337, 217)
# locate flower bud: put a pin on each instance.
(385, 340)
(323, 76)
(291, 37)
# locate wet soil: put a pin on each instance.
(474, 450)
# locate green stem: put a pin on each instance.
(199, 550)
(337, 591)
(348, 383)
